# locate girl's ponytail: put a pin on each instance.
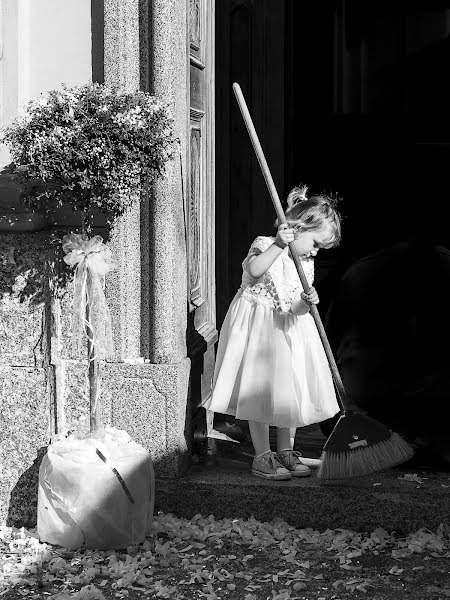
(296, 195)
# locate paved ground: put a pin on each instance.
(235, 559)
(222, 533)
(403, 499)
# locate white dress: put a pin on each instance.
(270, 365)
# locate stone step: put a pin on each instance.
(386, 499)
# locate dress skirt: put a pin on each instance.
(271, 367)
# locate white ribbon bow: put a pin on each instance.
(91, 317)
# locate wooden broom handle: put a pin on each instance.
(342, 394)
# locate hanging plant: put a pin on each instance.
(91, 147)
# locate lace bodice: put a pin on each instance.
(277, 287)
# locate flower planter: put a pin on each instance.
(95, 149)
(96, 492)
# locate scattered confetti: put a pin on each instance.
(395, 571)
(412, 477)
(299, 585)
(243, 558)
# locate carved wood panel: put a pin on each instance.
(194, 242)
(200, 205)
(195, 24)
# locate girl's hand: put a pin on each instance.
(311, 297)
(302, 302)
(285, 235)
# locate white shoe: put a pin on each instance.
(268, 466)
(312, 463)
(291, 459)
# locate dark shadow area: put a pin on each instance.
(22, 510)
(361, 107)
(388, 326)
(32, 266)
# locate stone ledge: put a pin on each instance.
(229, 490)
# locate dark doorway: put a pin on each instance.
(347, 104)
(348, 97)
(282, 55)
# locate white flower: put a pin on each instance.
(41, 100)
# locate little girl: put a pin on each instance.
(271, 368)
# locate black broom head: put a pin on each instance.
(359, 445)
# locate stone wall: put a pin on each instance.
(25, 373)
(145, 386)
(44, 384)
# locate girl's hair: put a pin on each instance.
(313, 213)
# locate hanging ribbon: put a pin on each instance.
(91, 317)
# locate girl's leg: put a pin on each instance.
(259, 433)
(285, 438)
(293, 432)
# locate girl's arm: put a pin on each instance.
(258, 264)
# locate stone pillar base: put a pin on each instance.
(149, 402)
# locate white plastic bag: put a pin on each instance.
(96, 492)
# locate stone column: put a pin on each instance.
(146, 388)
(168, 79)
(121, 68)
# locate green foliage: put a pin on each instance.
(91, 147)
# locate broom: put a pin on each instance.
(358, 445)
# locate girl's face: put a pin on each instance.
(308, 242)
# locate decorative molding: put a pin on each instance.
(194, 219)
(195, 30)
(202, 338)
(209, 333)
(197, 114)
(196, 62)
(202, 332)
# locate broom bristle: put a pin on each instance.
(364, 460)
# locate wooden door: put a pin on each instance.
(200, 210)
(250, 49)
